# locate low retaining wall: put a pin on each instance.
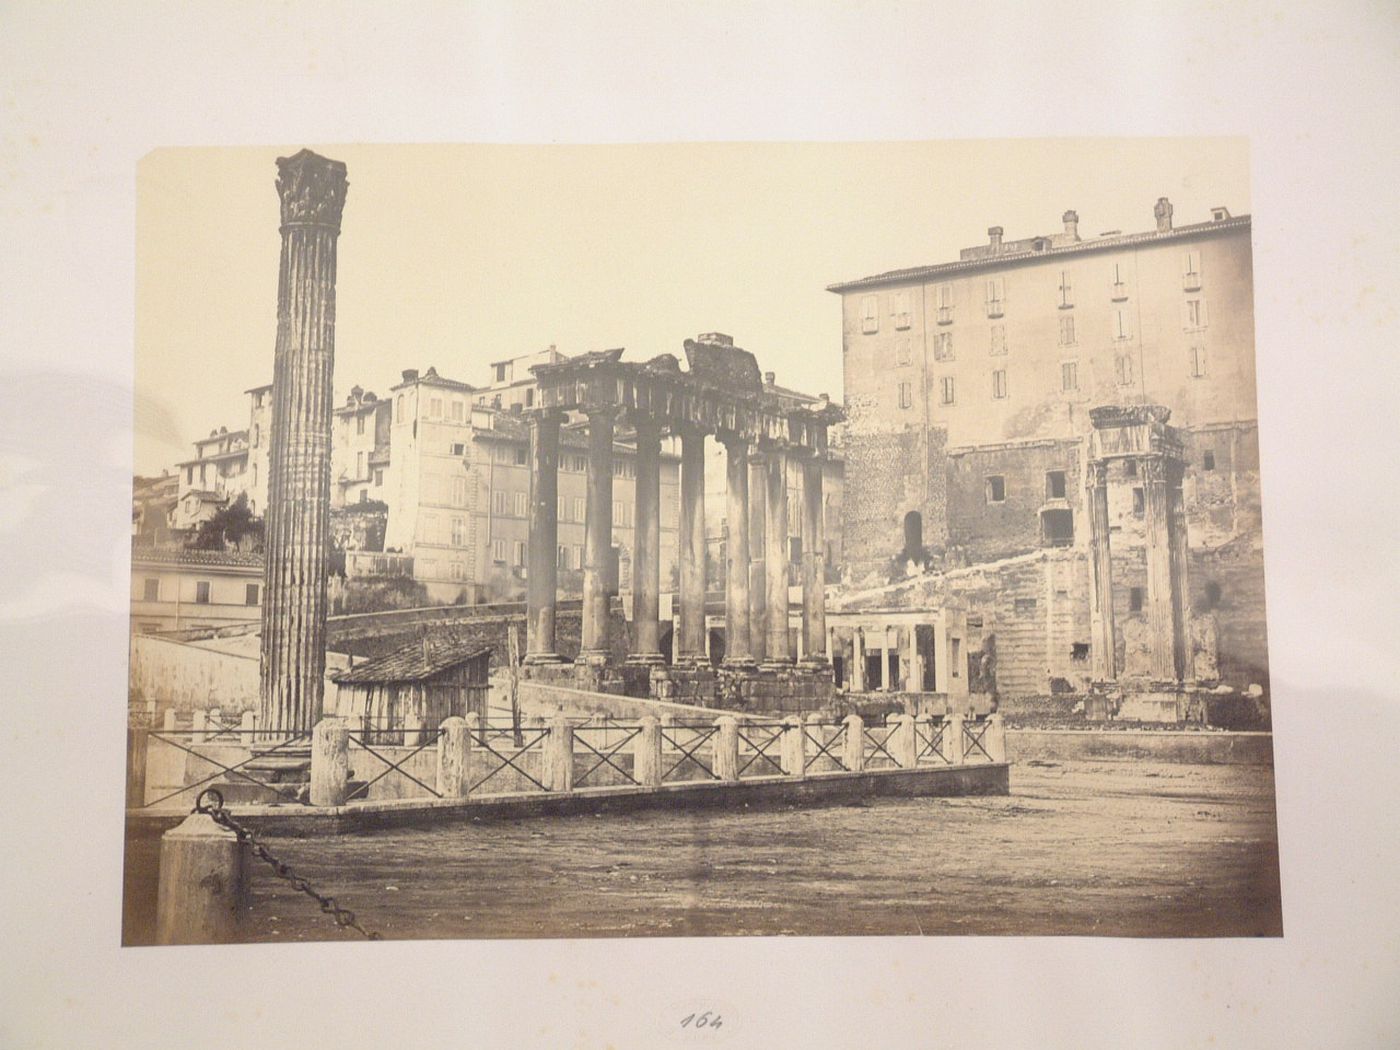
(1199, 748)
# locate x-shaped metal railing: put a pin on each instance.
(930, 744)
(429, 737)
(761, 749)
(973, 732)
(234, 770)
(880, 746)
(688, 754)
(529, 739)
(605, 753)
(824, 746)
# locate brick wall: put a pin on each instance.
(984, 530)
(888, 474)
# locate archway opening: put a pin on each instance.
(913, 533)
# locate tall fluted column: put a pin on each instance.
(775, 547)
(542, 588)
(1105, 665)
(597, 538)
(738, 651)
(1176, 524)
(813, 564)
(691, 649)
(646, 559)
(1159, 570)
(312, 191)
(758, 554)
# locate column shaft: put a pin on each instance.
(646, 558)
(738, 650)
(1176, 523)
(692, 548)
(1105, 668)
(543, 568)
(1159, 570)
(758, 554)
(597, 540)
(813, 563)
(776, 547)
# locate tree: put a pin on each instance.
(230, 526)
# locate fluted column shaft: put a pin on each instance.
(776, 549)
(597, 540)
(738, 650)
(1176, 527)
(1101, 565)
(691, 648)
(813, 564)
(293, 644)
(1160, 615)
(542, 584)
(758, 577)
(646, 559)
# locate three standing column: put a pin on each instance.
(541, 593)
(597, 540)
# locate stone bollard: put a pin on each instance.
(726, 748)
(454, 757)
(853, 747)
(646, 769)
(168, 724)
(995, 738)
(559, 755)
(903, 744)
(200, 725)
(202, 883)
(954, 746)
(793, 748)
(246, 725)
(330, 762)
(137, 753)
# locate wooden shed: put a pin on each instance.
(416, 686)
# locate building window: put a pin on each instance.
(521, 504)
(435, 408)
(518, 553)
(998, 339)
(902, 354)
(1139, 502)
(1193, 314)
(870, 314)
(906, 395)
(454, 570)
(458, 410)
(529, 397)
(1191, 271)
(1025, 606)
(1122, 325)
(1067, 329)
(458, 448)
(522, 456)
(459, 492)
(999, 384)
(498, 502)
(580, 509)
(1208, 460)
(563, 559)
(996, 300)
(1135, 599)
(624, 468)
(943, 346)
(257, 434)
(359, 424)
(250, 594)
(1066, 290)
(1198, 362)
(501, 371)
(943, 303)
(189, 475)
(899, 307)
(498, 551)
(1123, 369)
(364, 495)
(578, 556)
(1130, 468)
(1057, 528)
(379, 476)
(359, 464)
(150, 590)
(1069, 376)
(398, 409)
(996, 489)
(562, 511)
(459, 532)
(1055, 484)
(947, 390)
(201, 592)
(1118, 289)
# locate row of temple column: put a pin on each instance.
(756, 569)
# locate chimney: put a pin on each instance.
(768, 378)
(410, 374)
(1163, 212)
(1071, 220)
(994, 236)
(1220, 214)
(715, 339)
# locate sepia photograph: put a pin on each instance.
(698, 540)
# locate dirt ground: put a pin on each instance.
(1077, 848)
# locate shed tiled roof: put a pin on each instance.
(188, 556)
(415, 662)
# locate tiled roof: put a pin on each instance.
(414, 662)
(187, 556)
(991, 262)
(205, 495)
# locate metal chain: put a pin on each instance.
(211, 804)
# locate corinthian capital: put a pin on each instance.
(312, 189)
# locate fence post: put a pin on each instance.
(954, 746)
(330, 762)
(247, 724)
(903, 744)
(201, 885)
(995, 738)
(559, 755)
(200, 724)
(853, 747)
(137, 750)
(793, 748)
(454, 757)
(726, 750)
(647, 761)
(168, 724)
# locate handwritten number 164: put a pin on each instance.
(705, 1020)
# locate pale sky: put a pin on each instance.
(455, 256)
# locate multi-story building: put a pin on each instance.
(969, 386)
(359, 449)
(176, 590)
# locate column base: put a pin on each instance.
(777, 665)
(814, 663)
(286, 771)
(645, 660)
(594, 658)
(741, 664)
(539, 659)
(693, 661)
